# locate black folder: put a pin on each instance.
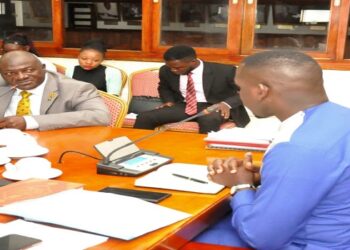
(154, 197)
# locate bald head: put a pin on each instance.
(22, 70)
(285, 82)
(14, 57)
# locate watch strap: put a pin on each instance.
(238, 187)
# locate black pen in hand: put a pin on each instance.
(190, 178)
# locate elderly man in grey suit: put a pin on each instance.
(37, 99)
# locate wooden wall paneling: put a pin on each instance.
(235, 21)
(248, 28)
(343, 24)
(147, 28)
(57, 28)
(156, 28)
(332, 34)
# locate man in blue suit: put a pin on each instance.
(303, 199)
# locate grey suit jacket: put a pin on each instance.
(65, 103)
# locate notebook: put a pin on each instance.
(239, 139)
(182, 177)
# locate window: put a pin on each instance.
(292, 24)
(117, 23)
(31, 17)
(193, 22)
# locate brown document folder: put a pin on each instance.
(33, 188)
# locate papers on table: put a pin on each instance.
(52, 238)
(102, 213)
(240, 138)
(180, 176)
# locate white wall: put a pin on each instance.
(337, 85)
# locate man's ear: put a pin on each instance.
(263, 90)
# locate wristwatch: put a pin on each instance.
(238, 187)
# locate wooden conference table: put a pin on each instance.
(183, 147)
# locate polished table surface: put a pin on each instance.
(183, 147)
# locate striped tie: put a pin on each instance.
(191, 100)
(23, 107)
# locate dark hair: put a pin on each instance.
(275, 58)
(180, 52)
(21, 39)
(95, 44)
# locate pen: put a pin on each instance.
(189, 178)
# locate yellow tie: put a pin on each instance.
(23, 107)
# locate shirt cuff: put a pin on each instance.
(31, 123)
(243, 197)
(228, 105)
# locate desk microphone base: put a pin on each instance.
(134, 165)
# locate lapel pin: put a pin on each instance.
(51, 96)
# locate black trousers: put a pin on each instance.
(154, 118)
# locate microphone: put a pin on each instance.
(105, 162)
(163, 128)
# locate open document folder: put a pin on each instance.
(240, 138)
(180, 176)
(107, 214)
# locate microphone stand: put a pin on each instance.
(210, 109)
(163, 128)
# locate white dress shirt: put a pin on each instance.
(197, 76)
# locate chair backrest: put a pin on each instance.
(60, 69)
(124, 78)
(123, 73)
(143, 90)
(145, 82)
(117, 108)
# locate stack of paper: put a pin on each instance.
(102, 213)
(180, 176)
(239, 138)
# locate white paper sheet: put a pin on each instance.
(164, 178)
(102, 213)
(52, 238)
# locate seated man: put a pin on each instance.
(187, 86)
(36, 99)
(303, 201)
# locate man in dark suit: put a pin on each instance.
(211, 83)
